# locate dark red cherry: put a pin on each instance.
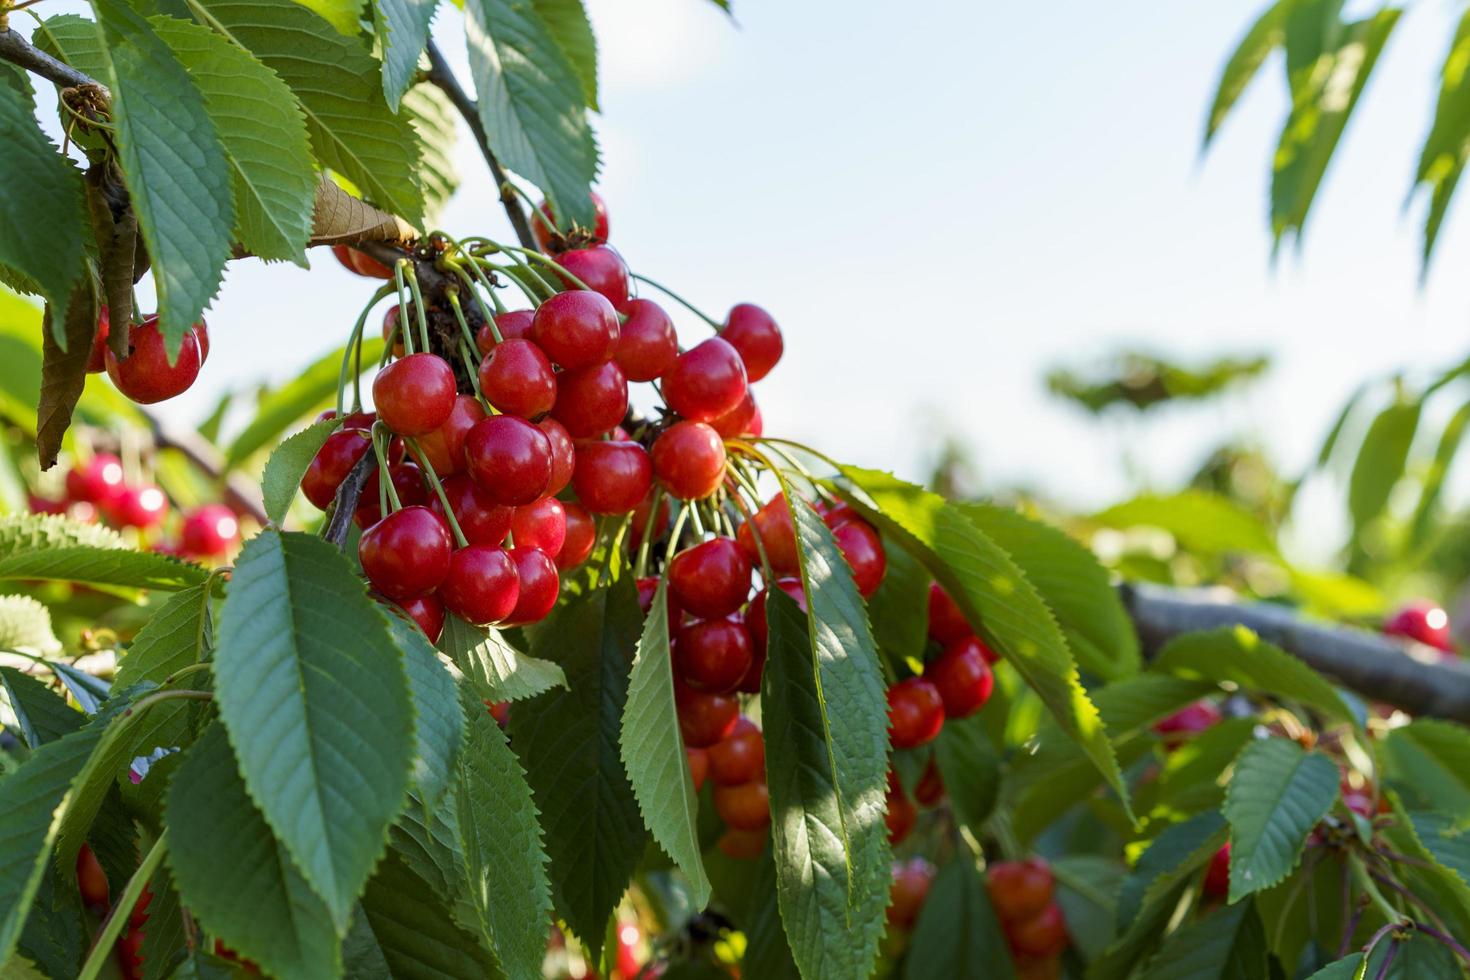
(541, 524)
(517, 379)
(482, 586)
(406, 554)
(755, 622)
(739, 757)
(647, 589)
(602, 269)
(580, 538)
(777, 536)
(142, 506)
(706, 381)
(742, 420)
(361, 263)
(512, 325)
(146, 376)
(415, 395)
(962, 677)
(539, 585)
(689, 460)
(946, 622)
(915, 713)
(509, 458)
(544, 233)
(647, 344)
(711, 579)
(481, 520)
(338, 455)
(901, 814)
(97, 481)
(1424, 621)
(392, 330)
(408, 481)
(427, 611)
(592, 400)
(209, 531)
(444, 447)
(744, 807)
(753, 332)
(860, 545)
(713, 654)
(611, 477)
(704, 719)
(576, 329)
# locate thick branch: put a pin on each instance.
(1406, 675)
(442, 76)
(18, 51)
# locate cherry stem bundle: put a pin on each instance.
(714, 324)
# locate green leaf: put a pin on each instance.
(288, 464)
(1173, 857)
(417, 936)
(1380, 462)
(1229, 944)
(176, 171)
(314, 695)
(1432, 482)
(174, 637)
(1073, 584)
(1442, 158)
(403, 31)
(41, 203)
(1189, 779)
(42, 546)
(568, 742)
(1200, 521)
(345, 16)
(899, 610)
(970, 768)
(498, 670)
(76, 41)
(567, 21)
(88, 691)
(41, 714)
(1449, 846)
(1349, 968)
(653, 750)
(164, 941)
(997, 598)
(1266, 35)
(25, 625)
(263, 132)
(1087, 892)
(503, 852)
(1278, 794)
(234, 874)
(532, 104)
(336, 79)
(1429, 762)
(434, 118)
(957, 935)
(1236, 656)
(438, 717)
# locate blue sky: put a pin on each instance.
(938, 201)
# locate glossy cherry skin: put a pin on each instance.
(591, 400)
(544, 233)
(742, 420)
(647, 344)
(146, 376)
(408, 483)
(862, 548)
(541, 524)
(91, 879)
(580, 537)
(361, 263)
(97, 360)
(698, 766)
(576, 329)
(392, 330)
(611, 477)
(689, 460)
(915, 713)
(209, 531)
(1019, 890)
(1423, 621)
(753, 332)
(482, 586)
(704, 719)
(512, 325)
(444, 447)
(415, 395)
(142, 506)
(900, 814)
(539, 585)
(97, 481)
(481, 520)
(338, 455)
(711, 579)
(929, 790)
(739, 757)
(1041, 935)
(407, 553)
(509, 458)
(713, 654)
(1217, 875)
(744, 807)
(517, 379)
(706, 381)
(963, 678)
(1189, 720)
(563, 454)
(427, 611)
(602, 269)
(911, 882)
(946, 622)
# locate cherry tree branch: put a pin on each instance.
(18, 51)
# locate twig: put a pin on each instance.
(347, 496)
(18, 51)
(442, 77)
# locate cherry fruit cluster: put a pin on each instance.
(956, 684)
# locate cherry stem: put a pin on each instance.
(385, 480)
(398, 280)
(485, 282)
(536, 213)
(464, 325)
(716, 326)
(473, 372)
(802, 447)
(479, 300)
(122, 910)
(1365, 882)
(1446, 939)
(674, 534)
(760, 544)
(640, 567)
(556, 266)
(418, 304)
(438, 488)
(354, 344)
(693, 511)
(186, 671)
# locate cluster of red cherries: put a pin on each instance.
(146, 375)
(98, 489)
(92, 883)
(956, 684)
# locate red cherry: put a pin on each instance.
(509, 458)
(541, 524)
(515, 324)
(406, 553)
(544, 233)
(1189, 720)
(611, 477)
(539, 585)
(1217, 875)
(963, 678)
(752, 332)
(444, 447)
(689, 460)
(91, 879)
(481, 520)
(408, 482)
(742, 845)
(483, 585)
(517, 379)
(391, 327)
(201, 334)
(777, 534)
(97, 360)
(915, 713)
(97, 481)
(209, 531)
(698, 766)
(711, 579)
(929, 790)
(338, 455)
(361, 263)
(946, 622)
(576, 329)
(602, 269)
(713, 654)
(46, 505)
(739, 757)
(146, 376)
(647, 589)
(563, 454)
(706, 381)
(1041, 935)
(1019, 890)
(744, 807)
(900, 814)
(704, 719)
(139, 915)
(647, 343)
(742, 420)
(836, 513)
(142, 506)
(581, 536)
(642, 517)
(592, 400)
(415, 395)
(427, 611)
(1423, 621)
(863, 549)
(911, 882)
(755, 622)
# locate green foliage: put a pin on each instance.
(286, 466)
(1380, 461)
(567, 22)
(957, 934)
(970, 768)
(1143, 381)
(1229, 943)
(438, 716)
(403, 31)
(498, 670)
(25, 624)
(48, 547)
(1429, 762)
(1202, 522)
(1277, 795)
(41, 714)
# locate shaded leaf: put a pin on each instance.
(957, 935)
(1229, 944)
(1278, 794)
(498, 670)
(41, 714)
(438, 717)
(567, 21)
(403, 31)
(1380, 462)
(417, 936)
(1173, 857)
(286, 466)
(1428, 761)
(1265, 35)
(435, 120)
